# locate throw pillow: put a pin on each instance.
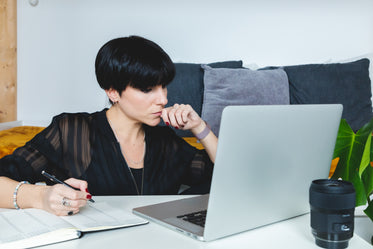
(15, 137)
(345, 83)
(368, 56)
(225, 87)
(187, 86)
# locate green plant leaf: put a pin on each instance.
(367, 178)
(359, 189)
(369, 211)
(366, 158)
(353, 151)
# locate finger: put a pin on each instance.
(181, 114)
(171, 116)
(76, 203)
(71, 194)
(178, 116)
(69, 207)
(76, 183)
(80, 184)
(75, 211)
(187, 114)
(67, 212)
(165, 116)
(175, 106)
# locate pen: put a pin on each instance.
(54, 179)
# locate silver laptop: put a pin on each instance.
(266, 159)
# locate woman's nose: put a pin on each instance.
(162, 98)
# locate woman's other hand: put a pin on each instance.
(182, 117)
(185, 118)
(61, 200)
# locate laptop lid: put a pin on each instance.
(266, 159)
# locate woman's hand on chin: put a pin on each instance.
(182, 117)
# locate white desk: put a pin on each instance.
(293, 233)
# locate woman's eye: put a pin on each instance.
(146, 90)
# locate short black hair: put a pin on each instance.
(133, 61)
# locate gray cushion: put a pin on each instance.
(225, 87)
(187, 86)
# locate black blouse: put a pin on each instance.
(83, 146)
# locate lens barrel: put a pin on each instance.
(332, 204)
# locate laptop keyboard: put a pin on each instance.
(197, 218)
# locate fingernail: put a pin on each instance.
(89, 197)
(86, 190)
(167, 123)
(176, 127)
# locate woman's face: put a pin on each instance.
(144, 106)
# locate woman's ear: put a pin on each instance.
(113, 95)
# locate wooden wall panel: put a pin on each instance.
(8, 60)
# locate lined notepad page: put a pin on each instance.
(101, 216)
(21, 224)
(26, 223)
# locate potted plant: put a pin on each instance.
(353, 156)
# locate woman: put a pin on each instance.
(117, 151)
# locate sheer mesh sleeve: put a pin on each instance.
(63, 148)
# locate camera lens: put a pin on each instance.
(332, 205)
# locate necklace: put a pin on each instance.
(129, 159)
(124, 153)
(133, 162)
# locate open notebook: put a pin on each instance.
(27, 228)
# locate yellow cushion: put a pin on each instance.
(13, 138)
(194, 142)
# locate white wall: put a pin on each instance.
(58, 40)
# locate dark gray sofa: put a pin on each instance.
(346, 83)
